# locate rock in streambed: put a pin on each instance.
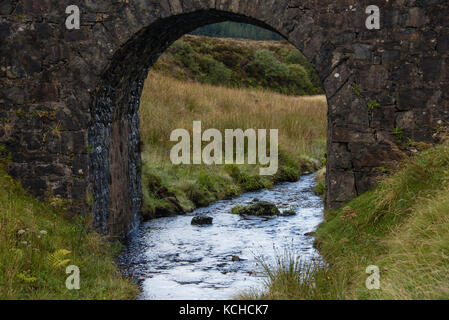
(202, 220)
(258, 209)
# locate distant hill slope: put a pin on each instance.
(238, 63)
(238, 30)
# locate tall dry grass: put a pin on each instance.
(169, 104)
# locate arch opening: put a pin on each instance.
(114, 136)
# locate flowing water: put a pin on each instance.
(173, 259)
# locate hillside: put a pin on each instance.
(237, 30)
(237, 63)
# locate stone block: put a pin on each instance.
(405, 120)
(342, 186)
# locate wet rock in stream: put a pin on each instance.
(202, 220)
(259, 209)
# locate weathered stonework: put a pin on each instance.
(69, 99)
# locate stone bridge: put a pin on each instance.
(69, 98)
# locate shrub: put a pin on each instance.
(266, 64)
(184, 53)
(293, 57)
(299, 79)
(213, 71)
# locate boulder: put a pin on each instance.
(261, 208)
(202, 220)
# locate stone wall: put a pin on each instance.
(69, 98)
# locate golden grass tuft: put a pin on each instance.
(169, 104)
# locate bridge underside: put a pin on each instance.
(69, 99)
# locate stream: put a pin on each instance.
(174, 260)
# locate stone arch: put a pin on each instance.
(64, 93)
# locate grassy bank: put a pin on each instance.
(37, 243)
(402, 227)
(169, 104)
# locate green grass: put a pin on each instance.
(200, 185)
(37, 242)
(320, 183)
(290, 278)
(402, 227)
